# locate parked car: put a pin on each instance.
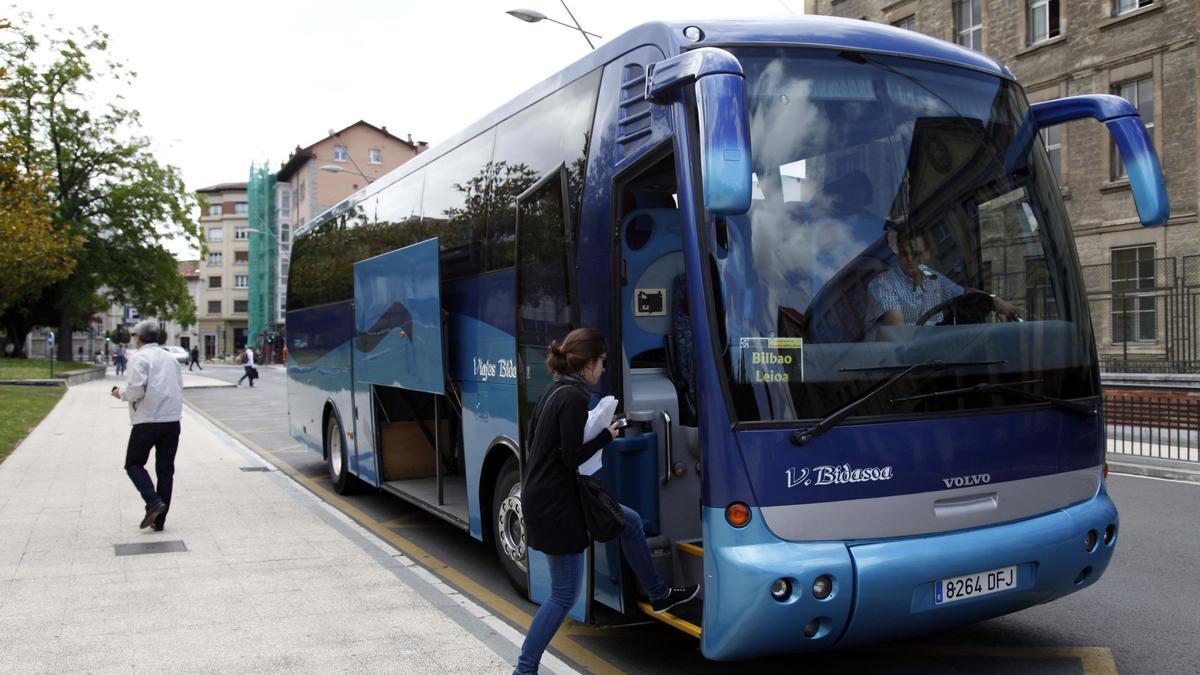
(180, 354)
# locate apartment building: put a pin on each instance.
(1142, 283)
(319, 176)
(224, 274)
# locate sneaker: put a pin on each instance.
(156, 527)
(677, 596)
(152, 513)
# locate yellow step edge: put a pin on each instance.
(692, 549)
(671, 620)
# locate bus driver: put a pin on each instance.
(902, 294)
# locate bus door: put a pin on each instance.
(546, 310)
(398, 368)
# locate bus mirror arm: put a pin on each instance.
(724, 126)
(1127, 131)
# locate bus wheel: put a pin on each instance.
(510, 527)
(335, 443)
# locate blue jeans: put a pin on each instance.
(566, 572)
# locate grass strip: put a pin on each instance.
(36, 369)
(21, 409)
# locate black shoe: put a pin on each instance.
(156, 527)
(677, 596)
(152, 513)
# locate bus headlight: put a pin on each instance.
(822, 587)
(781, 589)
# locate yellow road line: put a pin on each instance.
(489, 599)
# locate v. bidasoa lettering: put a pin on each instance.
(837, 475)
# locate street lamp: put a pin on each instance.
(334, 168)
(534, 16)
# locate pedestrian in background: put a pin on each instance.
(554, 522)
(120, 359)
(195, 360)
(155, 396)
(248, 366)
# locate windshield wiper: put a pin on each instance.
(802, 436)
(1081, 409)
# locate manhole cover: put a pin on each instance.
(175, 546)
(256, 468)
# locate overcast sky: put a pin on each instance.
(222, 84)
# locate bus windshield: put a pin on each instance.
(895, 221)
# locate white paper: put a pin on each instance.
(598, 418)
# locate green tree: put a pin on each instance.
(108, 190)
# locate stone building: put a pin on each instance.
(1143, 284)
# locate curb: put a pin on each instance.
(1154, 468)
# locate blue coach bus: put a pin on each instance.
(726, 202)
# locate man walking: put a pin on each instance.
(195, 359)
(248, 365)
(155, 395)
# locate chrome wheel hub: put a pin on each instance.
(335, 452)
(511, 527)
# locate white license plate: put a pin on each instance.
(974, 585)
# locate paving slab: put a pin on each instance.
(270, 581)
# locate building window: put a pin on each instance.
(301, 197)
(214, 209)
(1052, 138)
(283, 232)
(214, 259)
(968, 24)
(214, 282)
(241, 232)
(340, 154)
(907, 23)
(240, 306)
(216, 234)
(241, 281)
(1133, 306)
(1043, 20)
(1126, 6)
(285, 200)
(214, 306)
(375, 156)
(241, 207)
(1141, 94)
(241, 258)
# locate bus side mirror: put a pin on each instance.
(1127, 131)
(724, 122)
(724, 144)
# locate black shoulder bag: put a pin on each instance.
(603, 515)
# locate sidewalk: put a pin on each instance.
(271, 580)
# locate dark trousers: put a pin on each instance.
(249, 368)
(195, 362)
(164, 438)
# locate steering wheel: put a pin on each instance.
(970, 307)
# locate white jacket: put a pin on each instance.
(155, 388)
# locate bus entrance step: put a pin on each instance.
(691, 562)
(687, 618)
(695, 548)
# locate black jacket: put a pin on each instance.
(549, 492)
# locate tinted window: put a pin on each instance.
(532, 143)
(455, 204)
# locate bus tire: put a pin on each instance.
(335, 452)
(508, 522)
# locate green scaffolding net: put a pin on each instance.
(263, 240)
